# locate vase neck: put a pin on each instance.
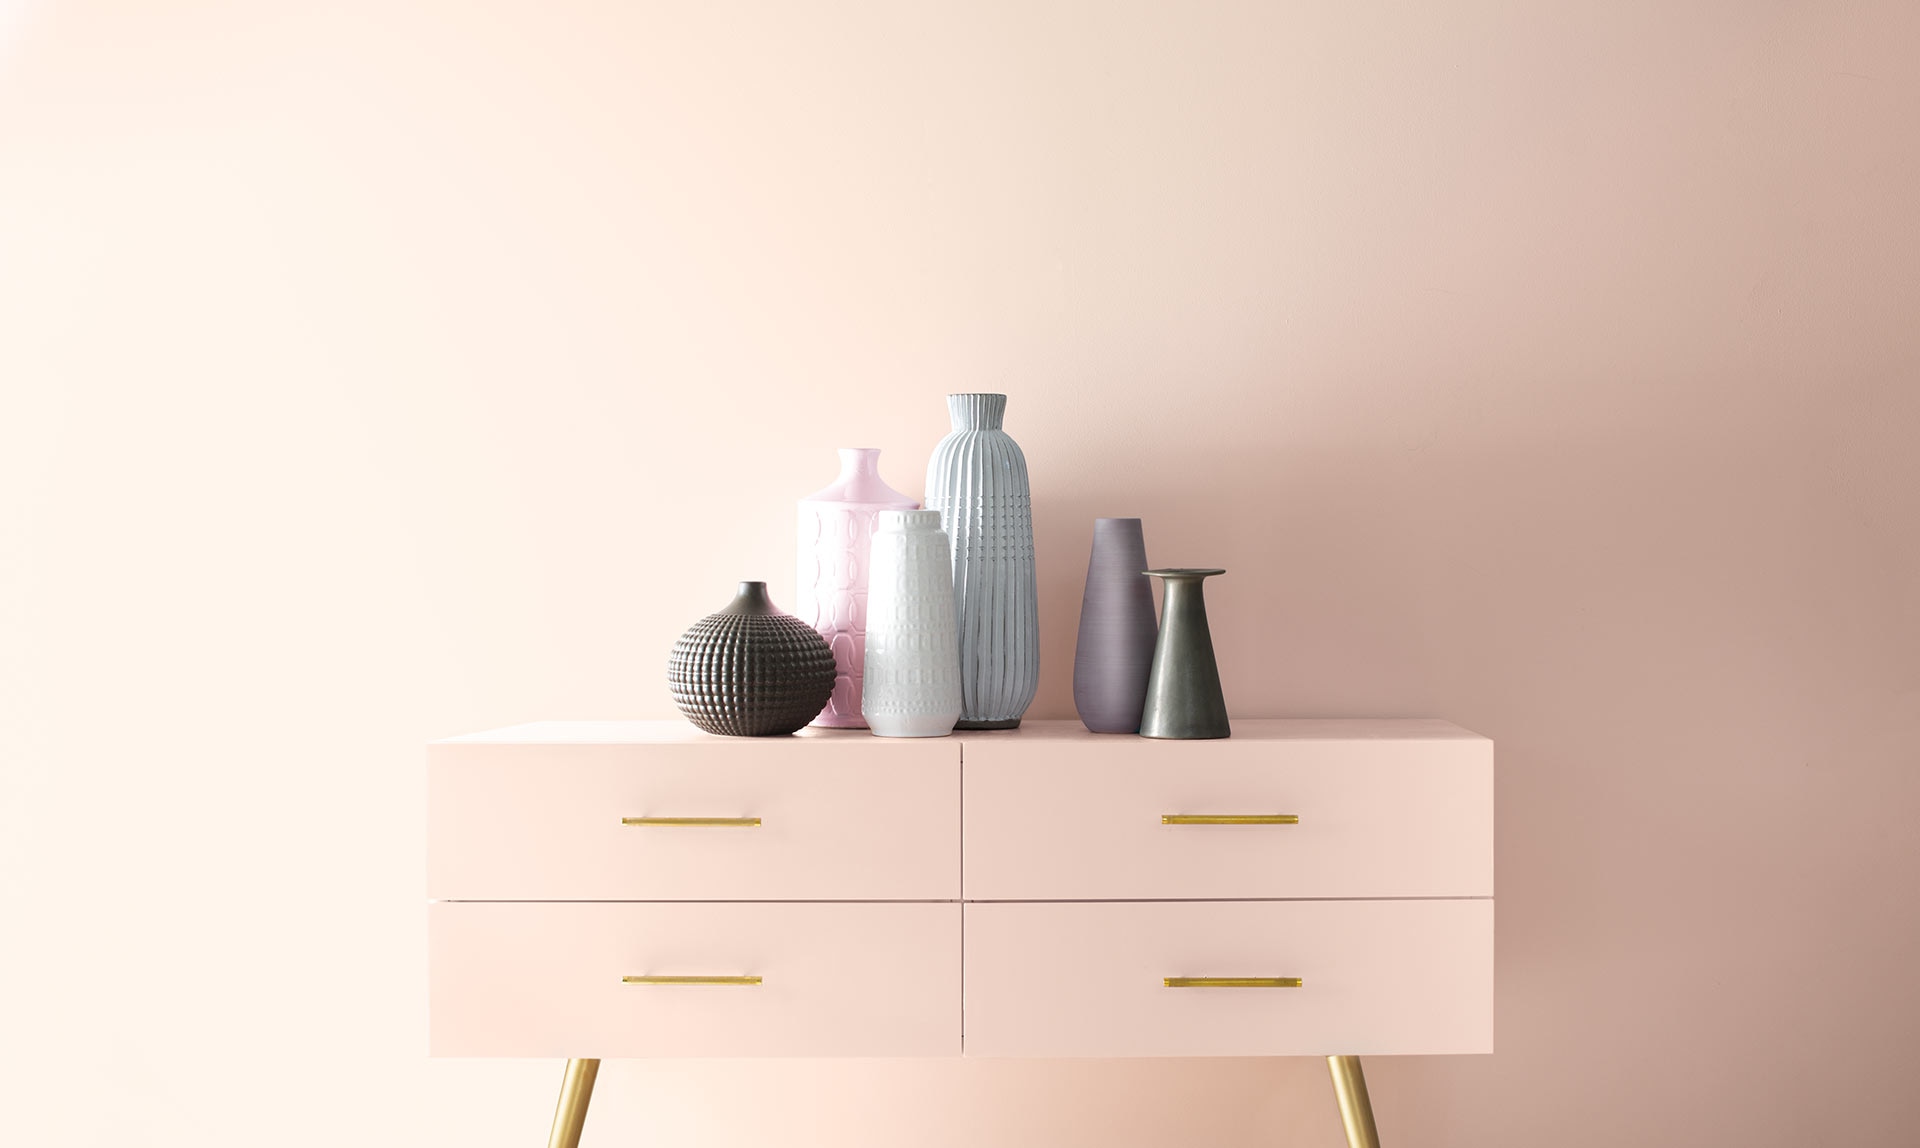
(859, 481)
(1184, 590)
(976, 411)
(1185, 586)
(751, 598)
(859, 462)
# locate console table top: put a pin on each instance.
(678, 732)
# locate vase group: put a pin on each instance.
(913, 623)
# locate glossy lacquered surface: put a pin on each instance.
(1386, 809)
(843, 816)
(1088, 979)
(545, 980)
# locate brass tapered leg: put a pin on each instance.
(576, 1088)
(1356, 1111)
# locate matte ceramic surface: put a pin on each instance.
(1087, 979)
(850, 897)
(540, 820)
(977, 480)
(750, 670)
(913, 642)
(830, 588)
(544, 980)
(1114, 654)
(1387, 808)
(1184, 699)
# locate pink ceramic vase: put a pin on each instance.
(830, 594)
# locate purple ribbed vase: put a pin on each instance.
(1114, 655)
(830, 592)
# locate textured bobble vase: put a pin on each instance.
(977, 480)
(1184, 699)
(913, 641)
(836, 527)
(1114, 653)
(750, 670)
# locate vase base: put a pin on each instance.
(968, 723)
(908, 729)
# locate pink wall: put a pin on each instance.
(377, 371)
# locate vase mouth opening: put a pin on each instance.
(860, 458)
(977, 410)
(1115, 523)
(1184, 573)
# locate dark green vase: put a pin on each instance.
(1183, 690)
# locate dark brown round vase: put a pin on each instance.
(751, 670)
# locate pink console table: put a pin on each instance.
(641, 889)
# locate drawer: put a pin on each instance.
(840, 818)
(1072, 818)
(546, 980)
(1087, 979)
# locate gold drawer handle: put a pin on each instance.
(689, 980)
(734, 822)
(1232, 982)
(1229, 819)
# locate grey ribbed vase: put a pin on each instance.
(977, 480)
(1114, 653)
(1184, 699)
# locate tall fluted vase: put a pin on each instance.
(977, 480)
(1114, 653)
(830, 590)
(913, 643)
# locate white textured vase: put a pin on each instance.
(977, 480)
(912, 683)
